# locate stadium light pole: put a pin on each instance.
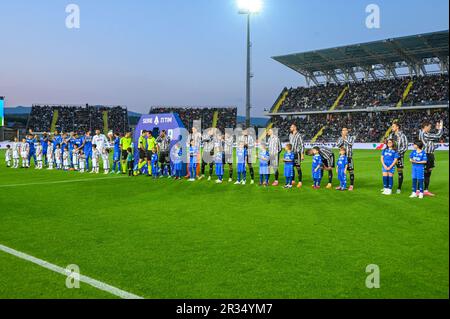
(249, 7)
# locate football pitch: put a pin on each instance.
(174, 239)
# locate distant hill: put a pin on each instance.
(18, 110)
(256, 121)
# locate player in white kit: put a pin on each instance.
(95, 159)
(58, 157)
(16, 152)
(50, 155)
(8, 156)
(24, 151)
(66, 160)
(105, 157)
(75, 157)
(39, 155)
(82, 161)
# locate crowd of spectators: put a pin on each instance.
(425, 90)
(368, 127)
(227, 117)
(428, 90)
(77, 118)
(40, 118)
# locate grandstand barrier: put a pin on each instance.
(405, 93)
(339, 98)
(319, 134)
(215, 119)
(105, 122)
(54, 121)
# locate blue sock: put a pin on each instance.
(391, 182)
(421, 185)
(385, 181)
(261, 177)
(414, 185)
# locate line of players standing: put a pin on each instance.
(73, 151)
(61, 151)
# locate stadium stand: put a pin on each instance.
(220, 118)
(67, 118)
(360, 86)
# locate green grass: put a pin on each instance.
(167, 239)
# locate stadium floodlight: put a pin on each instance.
(249, 7)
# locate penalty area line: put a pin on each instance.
(61, 182)
(87, 280)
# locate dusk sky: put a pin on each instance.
(140, 53)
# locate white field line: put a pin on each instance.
(60, 182)
(92, 282)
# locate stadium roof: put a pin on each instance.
(418, 54)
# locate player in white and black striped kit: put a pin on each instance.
(208, 140)
(347, 142)
(298, 148)
(228, 147)
(429, 139)
(401, 143)
(274, 147)
(328, 160)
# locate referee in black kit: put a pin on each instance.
(429, 139)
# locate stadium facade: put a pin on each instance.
(395, 79)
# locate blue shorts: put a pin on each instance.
(317, 175)
(264, 170)
(116, 157)
(391, 171)
(241, 167)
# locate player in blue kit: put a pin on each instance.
(341, 169)
(32, 149)
(44, 142)
(264, 170)
(57, 139)
(117, 166)
(317, 166)
(177, 159)
(71, 143)
(193, 161)
(241, 155)
(154, 162)
(87, 147)
(219, 162)
(289, 161)
(389, 159)
(419, 159)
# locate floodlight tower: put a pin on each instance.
(249, 7)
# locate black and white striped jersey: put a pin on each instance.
(348, 144)
(248, 140)
(274, 145)
(296, 141)
(228, 144)
(326, 154)
(401, 142)
(196, 138)
(429, 140)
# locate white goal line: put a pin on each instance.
(90, 281)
